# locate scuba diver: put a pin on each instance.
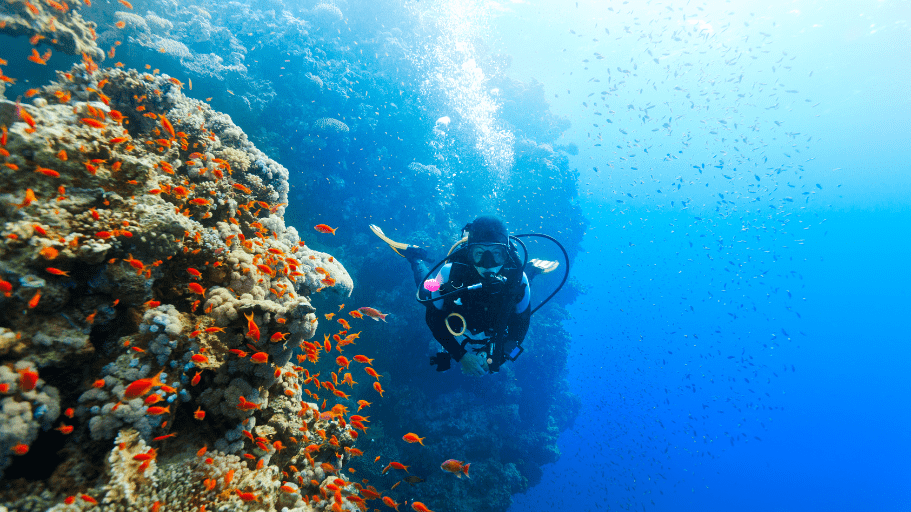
(479, 302)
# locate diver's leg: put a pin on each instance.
(419, 269)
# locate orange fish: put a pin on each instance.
(197, 289)
(344, 323)
(34, 300)
(252, 328)
(152, 399)
(195, 380)
(370, 493)
(413, 438)
(259, 357)
(456, 467)
(155, 410)
(49, 253)
(28, 379)
(389, 502)
(372, 313)
(245, 405)
(378, 388)
(356, 314)
(167, 125)
(199, 414)
(420, 507)
(94, 123)
(29, 197)
(361, 404)
(371, 372)
(323, 228)
(141, 387)
(25, 116)
(199, 358)
(36, 58)
(138, 265)
(363, 359)
(47, 172)
(396, 465)
(57, 271)
(20, 449)
(65, 429)
(245, 496)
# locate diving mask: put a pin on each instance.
(487, 258)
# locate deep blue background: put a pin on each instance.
(834, 430)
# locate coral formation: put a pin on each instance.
(147, 272)
(64, 30)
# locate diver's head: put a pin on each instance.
(488, 244)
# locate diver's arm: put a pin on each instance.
(519, 319)
(517, 326)
(436, 321)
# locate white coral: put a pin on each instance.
(125, 476)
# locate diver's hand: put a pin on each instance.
(473, 364)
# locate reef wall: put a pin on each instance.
(156, 306)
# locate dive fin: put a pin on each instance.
(396, 246)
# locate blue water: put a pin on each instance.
(743, 340)
(785, 386)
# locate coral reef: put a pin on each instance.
(154, 298)
(59, 26)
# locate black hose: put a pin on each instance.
(565, 258)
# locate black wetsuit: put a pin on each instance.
(504, 306)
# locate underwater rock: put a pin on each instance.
(146, 264)
(65, 30)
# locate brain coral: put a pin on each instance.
(327, 13)
(329, 126)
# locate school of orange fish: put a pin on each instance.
(115, 134)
